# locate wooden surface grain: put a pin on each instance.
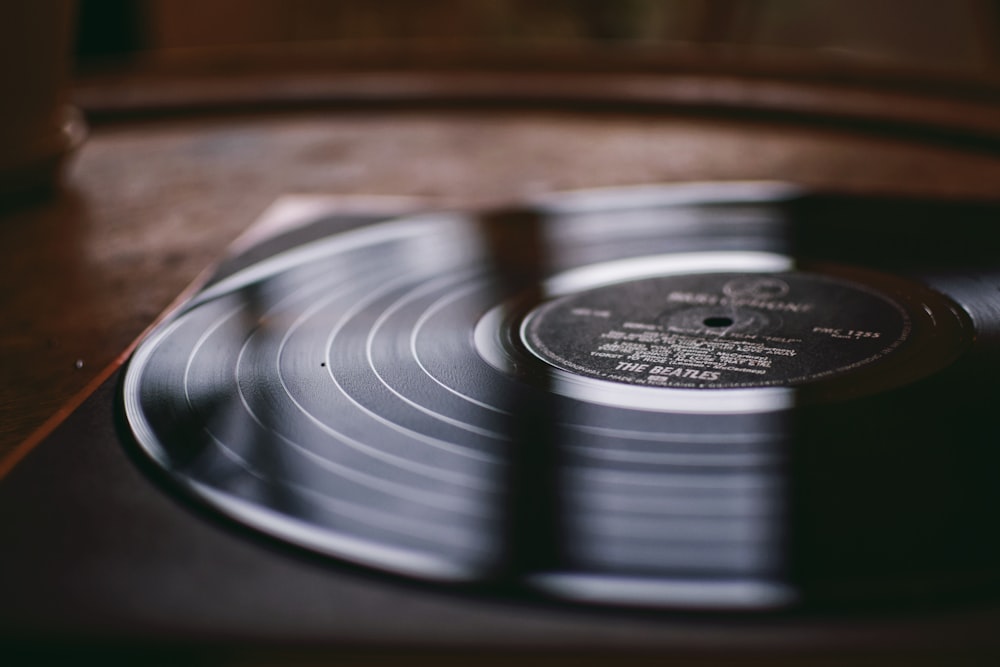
(149, 202)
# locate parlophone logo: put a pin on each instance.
(757, 287)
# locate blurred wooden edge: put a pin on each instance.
(555, 57)
(947, 104)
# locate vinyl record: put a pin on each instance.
(725, 397)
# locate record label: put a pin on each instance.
(717, 330)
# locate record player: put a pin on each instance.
(704, 420)
(637, 353)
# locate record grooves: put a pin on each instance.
(687, 398)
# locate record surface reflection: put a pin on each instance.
(683, 398)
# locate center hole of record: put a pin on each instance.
(718, 322)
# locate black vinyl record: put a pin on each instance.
(734, 396)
